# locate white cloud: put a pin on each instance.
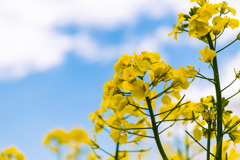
(30, 43)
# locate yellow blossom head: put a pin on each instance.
(207, 54)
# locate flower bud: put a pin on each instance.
(193, 10)
(238, 36)
(237, 74)
(185, 25)
(186, 17)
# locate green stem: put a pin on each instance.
(171, 110)
(199, 124)
(233, 95)
(219, 99)
(141, 150)
(199, 143)
(205, 78)
(138, 106)
(216, 157)
(155, 130)
(183, 119)
(142, 112)
(231, 127)
(226, 45)
(167, 127)
(117, 150)
(209, 139)
(229, 84)
(105, 152)
(124, 130)
(158, 95)
(98, 147)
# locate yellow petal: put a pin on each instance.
(127, 86)
(166, 99)
(144, 65)
(197, 134)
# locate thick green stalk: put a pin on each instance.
(219, 100)
(155, 130)
(117, 150)
(209, 139)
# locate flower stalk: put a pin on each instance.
(155, 130)
(219, 99)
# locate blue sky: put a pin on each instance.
(54, 63)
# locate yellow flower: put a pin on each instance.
(176, 92)
(95, 114)
(197, 134)
(218, 24)
(118, 133)
(202, 123)
(198, 29)
(109, 89)
(140, 90)
(233, 154)
(235, 136)
(180, 77)
(166, 99)
(191, 71)
(129, 74)
(198, 23)
(225, 8)
(92, 157)
(122, 63)
(207, 55)
(119, 102)
(209, 116)
(78, 135)
(232, 22)
(132, 110)
(59, 135)
(232, 122)
(207, 101)
(159, 72)
(154, 57)
(200, 2)
(177, 27)
(144, 65)
(119, 136)
(175, 113)
(10, 153)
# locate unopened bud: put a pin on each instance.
(238, 36)
(186, 17)
(193, 10)
(185, 25)
(237, 74)
(216, 32)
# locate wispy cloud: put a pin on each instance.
(30, 43)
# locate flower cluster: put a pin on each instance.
(11, 154)
(73, 139)
(197, 24)
(198, 18)
(124, 95)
